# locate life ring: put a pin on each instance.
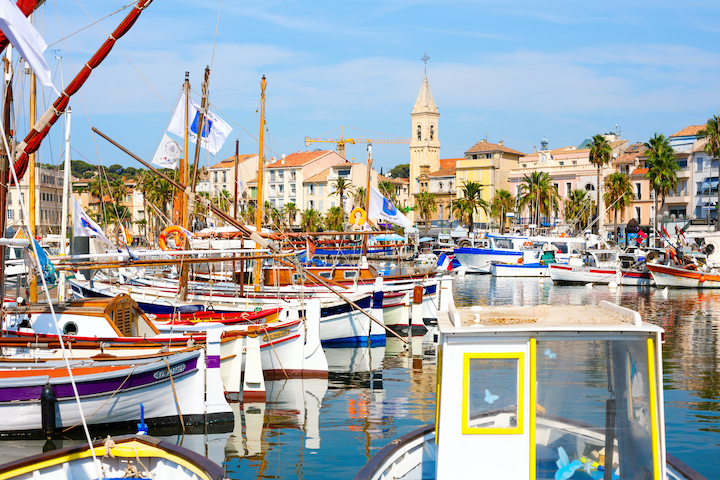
(353, 216)
(179, 238)
(691, 266)
(527, 244)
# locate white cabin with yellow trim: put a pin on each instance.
(544, 392)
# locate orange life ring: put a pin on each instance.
(353, 216)
(690, 266)
(527, 244)
(179, 238)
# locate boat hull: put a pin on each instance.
(519, 270)
(570, 275)
(479, 260)
(676, 277)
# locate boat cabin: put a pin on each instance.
(80, 318)
(537, 392)
(596, 259)
(283, 276)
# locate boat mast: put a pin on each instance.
(237, 159)
(182, 168)
(66, 199)
(4, 161)
(31, 187)
(367, 196)
(258, 200)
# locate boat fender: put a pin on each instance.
(702, 278)
(179, 237)
(48, 401)
(418, 294)
(520, 261)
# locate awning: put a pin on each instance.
(427, 239)
(390, 237)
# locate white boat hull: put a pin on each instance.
(566, 274)
(518, 270)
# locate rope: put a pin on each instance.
(172, 382)
(105, 402)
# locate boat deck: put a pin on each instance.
(544, 315)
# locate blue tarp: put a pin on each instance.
(390, 237)
(427, 239)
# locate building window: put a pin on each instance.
(11, 214)
(699, 163)
(224, 176)
(281, 190)
(574, 162)
(568, 188)
(440, 212)
(562, 163)
(419, 132)
(638, 213)
(281, 175)
(216, 177)
(432, 133)
(293, 175)
(638, 191)
(272, 175)
(292, 189)
(128, 198)
(440, 186)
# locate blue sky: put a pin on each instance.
(514, 71)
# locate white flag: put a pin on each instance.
(84, 226)
(168, 153)
(380, 207)
(29, 43)
(215, 130)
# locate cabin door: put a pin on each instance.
(484, 412)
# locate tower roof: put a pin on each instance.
(425, 102)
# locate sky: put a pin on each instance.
(501, 70)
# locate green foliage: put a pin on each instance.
(82, 169)
(335, 219)
(425, 205)
(388, 190)
(310, 220)
(539, 195)
(473, 202)
(618, 194)
(502, 203)
(662, 167)
(579, 208)
(401, 171)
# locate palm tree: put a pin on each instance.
(539, 195)
(600, 155)
(310, 220)
(334, 219)
(618, 194)
(341, 187)
(712, 133)
(662, 168)
(223, 200)
(359, 197)
(472, 192)
(388, 190)
(290, 210)
(502, 203)
(425, 204)
(460, 210)
(579, 208)
(276, 218)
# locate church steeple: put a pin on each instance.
(425, 102)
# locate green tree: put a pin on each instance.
(579, 208)
(711, 132)
(425, 205)
(461, 211)
(600, 155)
(539, 195)
(618, 195)
(662, 169)
(401, 171)
(503, 202)
(290, 210)
(310, 220)
(472, 192)
(223, 200)
(335, 219)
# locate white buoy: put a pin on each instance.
(612, 285)
(589, 285)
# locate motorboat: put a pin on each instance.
(592, 266)
(530, 265)
(543, 392)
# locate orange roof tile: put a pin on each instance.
(298, 159)
(445, 172)
(635, 150)
(448, 162)
(383, 178)
(700, 145)
(492, 147)
(690, 131)
(229, 162)
(640, 171)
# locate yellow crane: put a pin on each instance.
(342, 141)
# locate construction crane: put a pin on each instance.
(342, 141)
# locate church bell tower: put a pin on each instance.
(424, 138)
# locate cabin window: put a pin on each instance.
(349, 275)
(70, 328)
(297, 277)
(326, 275)
(591, 393)
(493, 393)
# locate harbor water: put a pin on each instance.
(327, 429)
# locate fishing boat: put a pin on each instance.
(530, 265)
(478, 254)
(546, 392)
(180, 388)
(593, 266)
(687, 276)
(129, 456)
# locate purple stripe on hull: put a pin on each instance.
(213, 361)
(64, 390)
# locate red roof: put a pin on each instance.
(298, 159)
(445, 172)
(690, 131)
(229, 162)
(640, 171)
(448, 162)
